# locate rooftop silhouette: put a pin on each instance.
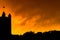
(5, 32)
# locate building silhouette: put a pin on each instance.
(5, 26)
(5, 32)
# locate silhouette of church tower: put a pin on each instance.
(5, 26)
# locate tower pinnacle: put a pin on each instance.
(3, 15)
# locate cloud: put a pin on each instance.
(45, 9)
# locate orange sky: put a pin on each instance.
(32, 15)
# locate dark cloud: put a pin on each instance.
(47, 9)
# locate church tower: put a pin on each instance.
(5, 26)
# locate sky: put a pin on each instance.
(32, 15)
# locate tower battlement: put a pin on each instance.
(4, 15)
